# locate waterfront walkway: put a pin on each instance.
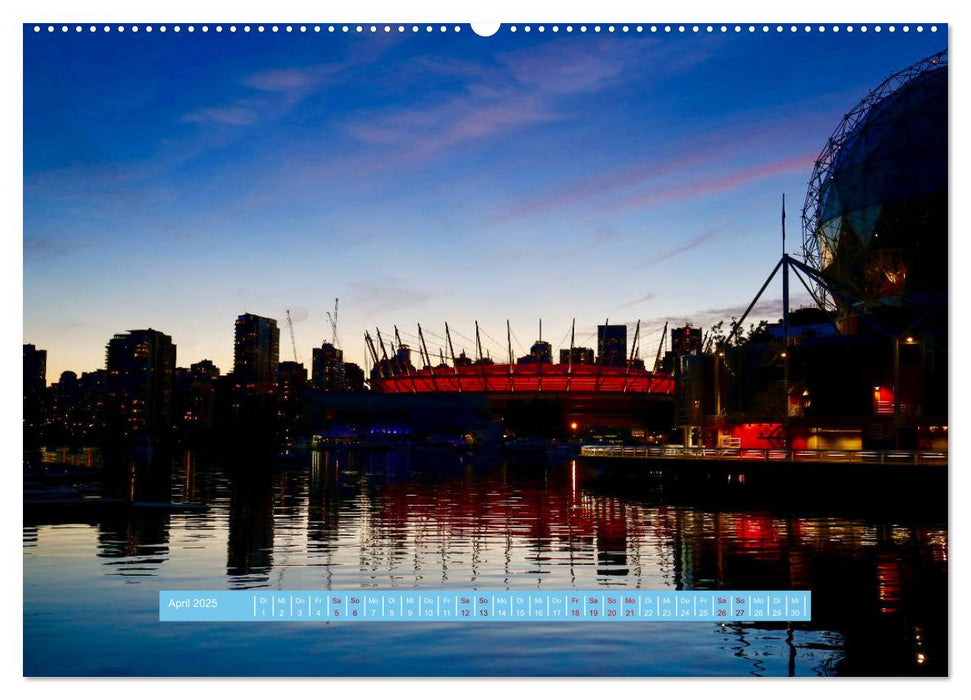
(746, 455)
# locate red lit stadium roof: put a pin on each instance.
(526, 378)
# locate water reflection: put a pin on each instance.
(325, 502)
(251, 526)
(134, 546)
(442, 520)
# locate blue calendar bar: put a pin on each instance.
(484, 606)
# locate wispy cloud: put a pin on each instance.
(122, 190)
(426, 130)
(606, 182)
(683, 248)
(616, 185)
(389, 294)
(287, 87)
(520, 89)
(503, 251)
(712, 184)
(767, 309)
(439, 107)
(555, 68)
(289, 79)
(50, 248)
(602, 236)
(639, 300)
(234, 115)
(298, 314)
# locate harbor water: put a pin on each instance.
(441, 519)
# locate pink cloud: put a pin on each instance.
(601, 183)
(233, 115)
(750, 134)
(292, 84)
(421, 133)
(291, 79)
(556, 69)
(521, 90)
(712, 185)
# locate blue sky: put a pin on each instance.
(175, 181)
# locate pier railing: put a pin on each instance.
(741, 454)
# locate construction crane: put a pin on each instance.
(293, 341)
(333, 324)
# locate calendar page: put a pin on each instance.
(524, 349)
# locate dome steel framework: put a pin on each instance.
(855, 151)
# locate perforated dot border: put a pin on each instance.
(455, 28)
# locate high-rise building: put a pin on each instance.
(327, 370)
(94, 393)
(141, 372)
(399, 364)
(204, 369)
(539, 352)
(35, 368)
(256, 355)
(353, 377)
(195, 397)
(291, 381)
(65, 396)
(35, 386)
(402, 360)
(581, 356)
(291, 385)
(612, 345)
(686, 341)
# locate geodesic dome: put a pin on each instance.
(875, 218)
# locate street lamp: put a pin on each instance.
(906, 340)
(718, 389)
(785, 393)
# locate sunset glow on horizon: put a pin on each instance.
(176, 181)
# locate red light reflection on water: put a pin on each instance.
(888, 583)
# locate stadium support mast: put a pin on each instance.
(374, 353)
(569, 369)
(384, 352)
(451, 351)
(660, 347)
(397, 338)
(633, 349)
(512, 384)
(428, 358)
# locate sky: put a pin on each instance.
(177, 180)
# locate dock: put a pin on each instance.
(729, 455)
